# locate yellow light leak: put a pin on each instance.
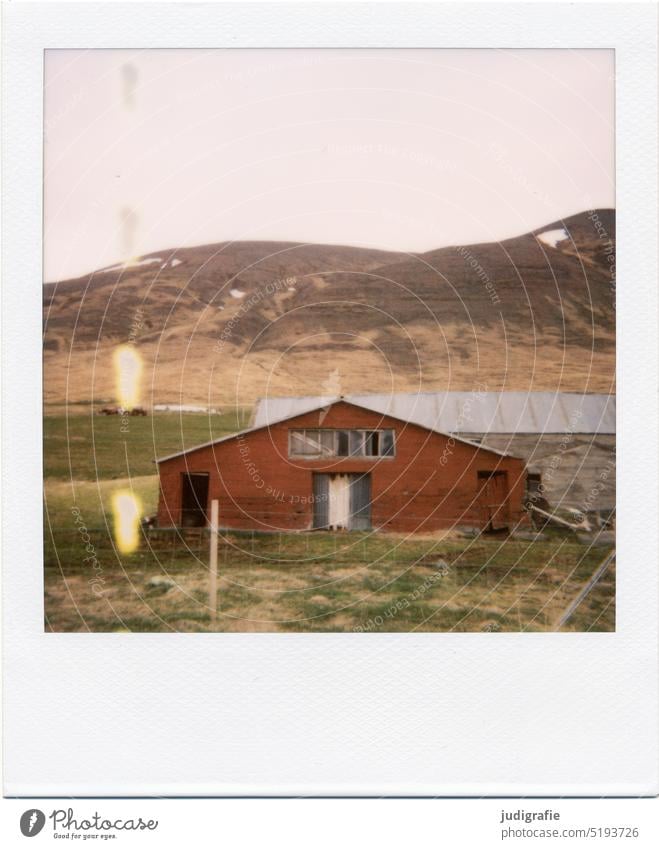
(127, 510)
(128, 366)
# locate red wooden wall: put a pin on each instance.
(431, 483)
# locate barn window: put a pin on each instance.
(356, 443)
(312, 443)
(372, 443)
(341, 443)
(300, 446)
(387, 443)
(327, 443)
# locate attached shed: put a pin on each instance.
(340, 465)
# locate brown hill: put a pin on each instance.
(224, 323)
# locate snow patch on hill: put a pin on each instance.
(552, 237)
(135, 264)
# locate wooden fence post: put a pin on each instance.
(212, 578)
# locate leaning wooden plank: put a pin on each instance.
(597, 575)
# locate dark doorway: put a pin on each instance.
(534, 495)
(493, 500)
(360, 502)
(320, 501)
(194, 499)
(533, 486)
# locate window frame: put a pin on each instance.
(335, 455)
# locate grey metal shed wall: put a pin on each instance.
(578, 471)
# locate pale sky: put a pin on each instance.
(398, 149)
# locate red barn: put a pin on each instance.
(342, 466)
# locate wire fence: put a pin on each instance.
(71, 548)
(67, 546)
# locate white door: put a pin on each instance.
(339, 501)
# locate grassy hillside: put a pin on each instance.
(224, 324)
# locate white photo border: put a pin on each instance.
(331, 714)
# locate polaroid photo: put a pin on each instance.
(330, 369)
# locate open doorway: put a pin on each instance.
(194, 499)
(342, 502)
(534, 494)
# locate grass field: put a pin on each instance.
(93, 447)
(326, 582)
(353, 582)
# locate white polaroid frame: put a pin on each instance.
(331, 714)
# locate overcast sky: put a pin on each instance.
(401, 149)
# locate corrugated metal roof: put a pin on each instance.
(469, 412)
